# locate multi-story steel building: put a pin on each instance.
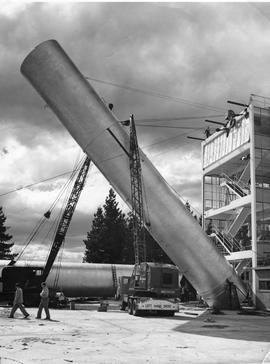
(236, 194)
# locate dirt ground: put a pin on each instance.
(114, 337)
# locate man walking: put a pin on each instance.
(44, 302)
(18, 302)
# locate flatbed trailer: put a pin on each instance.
(139, 305)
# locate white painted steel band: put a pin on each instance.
(84, 114)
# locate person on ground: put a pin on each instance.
(44, 302)
(18, 302)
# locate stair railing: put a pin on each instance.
(239, 187)
(227, 240)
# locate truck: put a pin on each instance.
(152, 288)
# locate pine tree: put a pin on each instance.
(94, 249)
(5, 247)
(109, 234)
(115, 229)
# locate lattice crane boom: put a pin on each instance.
(136, 196)
(66, 217)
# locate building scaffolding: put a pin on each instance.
(236, 195)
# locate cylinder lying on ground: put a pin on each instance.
(104, 139)
(73, 279)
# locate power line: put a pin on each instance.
(156, 94)
(164, 140)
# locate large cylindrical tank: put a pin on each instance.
(85, 115)
(88, 280)
(79, 279)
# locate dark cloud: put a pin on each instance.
(180, 51)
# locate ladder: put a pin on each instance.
(114, 277)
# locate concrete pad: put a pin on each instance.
(114, 337)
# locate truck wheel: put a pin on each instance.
(123, 306)
(130, 307)
(170, 313)
(136, 312)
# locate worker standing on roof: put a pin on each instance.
(44, 302)
(207, 132)
(18, 302)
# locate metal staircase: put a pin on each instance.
(237, 187)
(225, 242)
(245, 175)
(239, 220)
(242, 265)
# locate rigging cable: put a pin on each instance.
(179, 118)
(31, 236)
(40, 224)
(35, 183)
(156, 94)
(170, 126)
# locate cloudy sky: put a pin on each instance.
(170, 64)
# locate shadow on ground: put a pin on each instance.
(174, 318)
(230, 325)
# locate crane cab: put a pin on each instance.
(155, 279)
(153, 287)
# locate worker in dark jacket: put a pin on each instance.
(44, 301)
(18, 302)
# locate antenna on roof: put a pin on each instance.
(214, 122)
(189, 137)
(236, 103)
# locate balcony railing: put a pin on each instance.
(221, 144)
